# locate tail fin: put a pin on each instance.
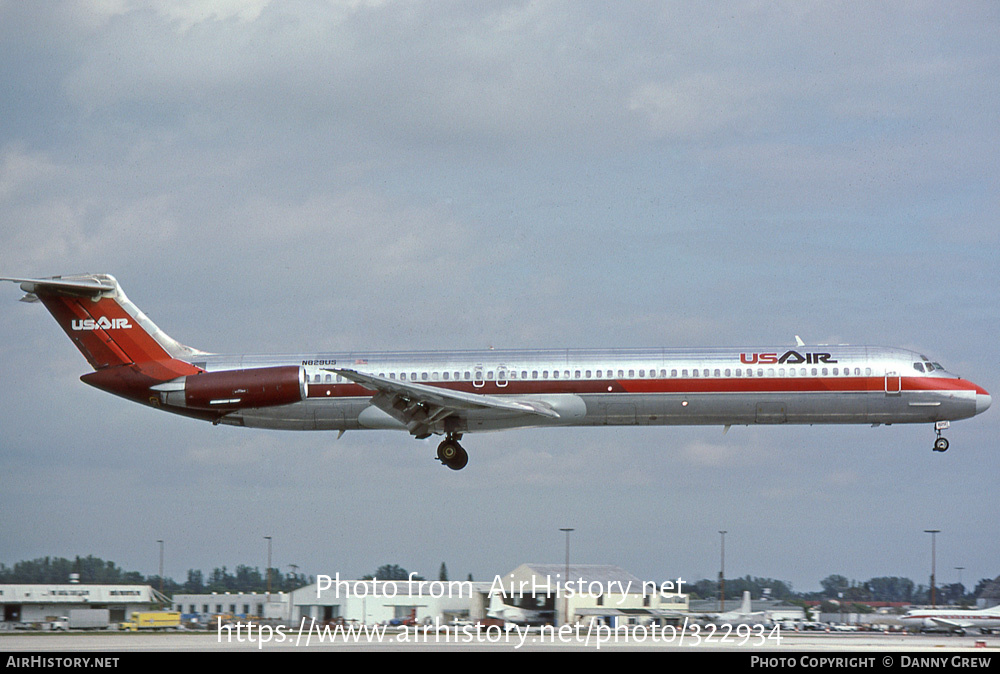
(746, 606)
(108, 329)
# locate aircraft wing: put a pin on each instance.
(420, 407)
(951, 624)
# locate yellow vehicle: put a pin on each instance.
(153, 620)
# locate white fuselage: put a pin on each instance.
(721, 386)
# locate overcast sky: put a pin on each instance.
(314, 176)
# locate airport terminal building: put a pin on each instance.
(46, 602)
(536, 593)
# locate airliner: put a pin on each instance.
(452, 393)
(744, 615)
(953, 619)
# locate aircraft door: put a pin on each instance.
(893, 384)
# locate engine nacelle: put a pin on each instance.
(236, 389)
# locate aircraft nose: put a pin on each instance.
(983, 401)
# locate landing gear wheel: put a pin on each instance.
(452, 454)
(941, 444)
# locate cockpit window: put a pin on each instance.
(919, 367)
(938, 366)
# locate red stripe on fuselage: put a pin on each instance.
(676, 386)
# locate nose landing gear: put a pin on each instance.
(941, 444)
(452, 454)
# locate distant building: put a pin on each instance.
(45, 602)
(241, 605)
(536, 592)
(388, 601)
(592, 592)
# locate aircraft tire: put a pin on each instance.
(447, 451)
(461, 459)
(941, 445)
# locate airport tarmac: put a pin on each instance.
(111, 643)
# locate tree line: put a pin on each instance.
(842, 590)
(93, 570)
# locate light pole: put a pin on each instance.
(161, 565)
(722, 574)
(933, 533)
(566, 579)
(268, 538)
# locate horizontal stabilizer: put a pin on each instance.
(57, 285)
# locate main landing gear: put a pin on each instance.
(941, 444)
(452, 454)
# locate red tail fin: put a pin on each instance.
(107, 328)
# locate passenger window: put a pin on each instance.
(673, 373)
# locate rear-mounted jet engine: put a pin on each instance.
(235, 389)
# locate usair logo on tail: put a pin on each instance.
(103, 323)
